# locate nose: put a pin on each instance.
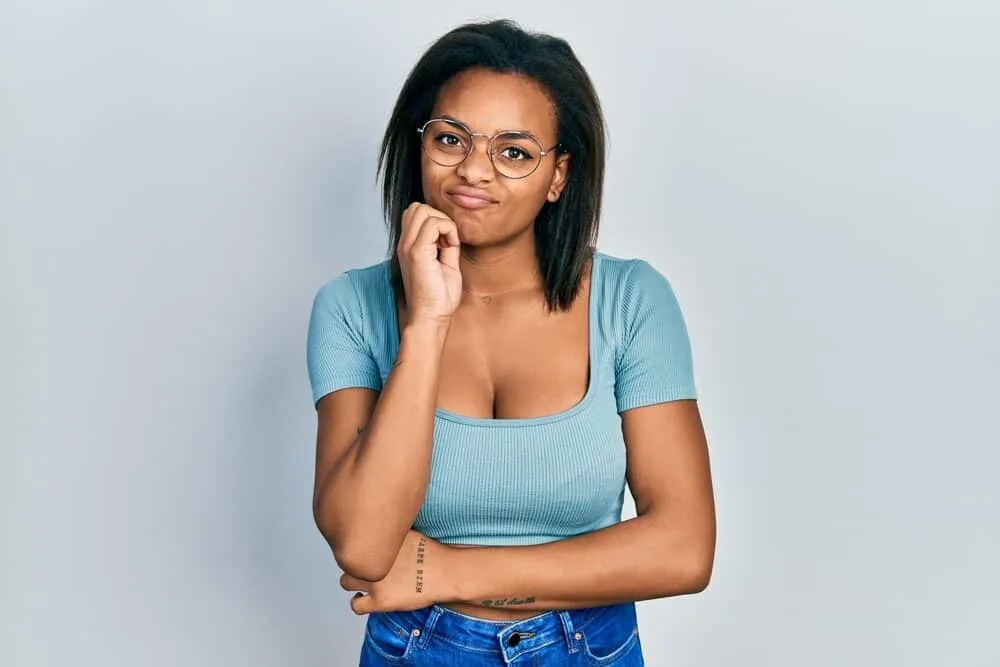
(477, 166)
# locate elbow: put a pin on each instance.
(354, 554)
(360, 558)
(684, 580)
(698, 578)
(361, 564)
(686, 575)
(697, 572)
(697, 559)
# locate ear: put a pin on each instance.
(559, 178)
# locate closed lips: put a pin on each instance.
(470, 199)
(472, 194)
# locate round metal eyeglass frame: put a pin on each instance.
(489, 151)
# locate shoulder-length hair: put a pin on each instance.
(566, 230)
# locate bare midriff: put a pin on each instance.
(487, 613)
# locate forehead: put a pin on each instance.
(489, 102)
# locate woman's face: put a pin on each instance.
(489, 208)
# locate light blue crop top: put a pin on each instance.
(520, 481)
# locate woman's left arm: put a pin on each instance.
(668, 549)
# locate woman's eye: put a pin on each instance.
(515, 153)
(449, 139)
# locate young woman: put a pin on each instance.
(485, 393)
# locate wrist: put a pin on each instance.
(426, 331)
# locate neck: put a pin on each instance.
(498, 270)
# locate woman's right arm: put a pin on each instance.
(373, 450)
(373, 457)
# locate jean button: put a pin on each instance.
(514, 640)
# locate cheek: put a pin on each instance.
(426, 178)
(431, 177)
(529, 199)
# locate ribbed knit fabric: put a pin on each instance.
(520, 481)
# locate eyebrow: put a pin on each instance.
(464, 124)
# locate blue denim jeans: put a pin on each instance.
(441, 637)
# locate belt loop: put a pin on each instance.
(432, 619)
(568, 630)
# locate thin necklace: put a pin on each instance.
(487, 298)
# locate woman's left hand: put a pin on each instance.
(417, 579)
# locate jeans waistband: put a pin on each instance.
(509, 638)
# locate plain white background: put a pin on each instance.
(819, 181)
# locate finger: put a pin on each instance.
(449, 235)
(450, 246)
(349, 583)
(418, 217)
(406, 225)
(361, 604)
(412, 220)
(434, 231)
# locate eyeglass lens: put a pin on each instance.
(514, 154)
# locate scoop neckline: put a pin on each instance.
(492, 422)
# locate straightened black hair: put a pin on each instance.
(565, 231)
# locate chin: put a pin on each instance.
(469, 220)
(474, 232)
(455, 212)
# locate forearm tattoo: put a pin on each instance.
(421, 550)
(508, 602)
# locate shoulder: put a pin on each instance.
(631, 277)
(634, 294)
(355, 288)
(653, 362)
(342, 345)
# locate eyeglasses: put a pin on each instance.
(513, 154)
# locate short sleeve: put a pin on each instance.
(653, 362)
(337, 355)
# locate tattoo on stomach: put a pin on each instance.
(508, 602)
